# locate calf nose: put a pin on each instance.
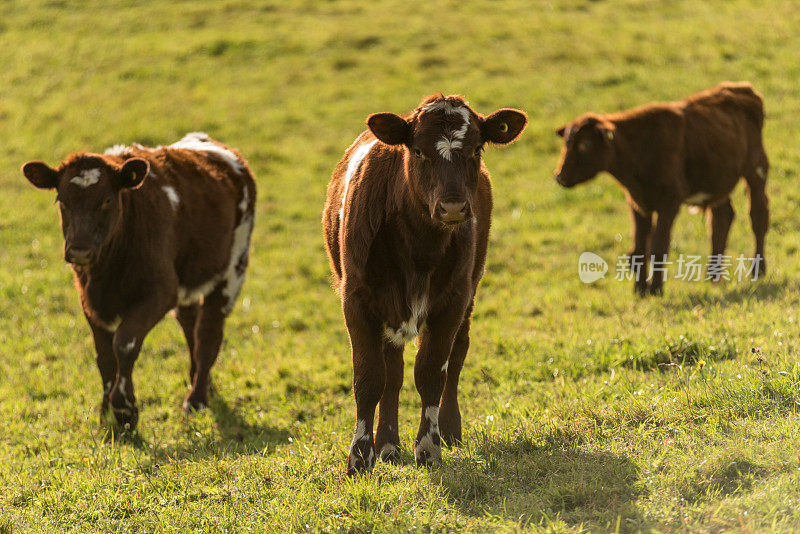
(453, 211)
(79, 256)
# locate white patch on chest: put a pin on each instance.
(201, 142)
(86, 178)
(172, 195)
(352, 166)
(410, 328)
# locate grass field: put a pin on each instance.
(585, 409)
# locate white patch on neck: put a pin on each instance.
(172, 195)
(201, 142)
(86, 178)
(411, 328)
(356, 158)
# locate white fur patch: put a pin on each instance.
(356, 158)
(86, 178)
(122, 383)
(187, 296)
(201, 142)
(426, 444)
(361, 435)
(760, 172)
(411, 328)
(387, 451)
(118, 150)
(111, 327)
(128, 348)
(172, 195)
(698, 199)
(239, 252)
(452, 140)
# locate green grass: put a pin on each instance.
(585, 409)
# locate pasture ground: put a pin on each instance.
(584, 408)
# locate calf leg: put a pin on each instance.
(208, 333)
(449, 412)
(187, 318)
(759, 211)
(127, 343)
(642, 225)
(369, 378)
(436, 345)
(719, 219)
(106, 362)
(660, 245)
(387, 437)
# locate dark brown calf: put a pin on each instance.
(664, 155)
(406, 225)
(148, 230)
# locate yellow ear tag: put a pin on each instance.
(504, 127)
(135, 177)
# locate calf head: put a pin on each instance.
(444, 139)
(588, 149)
(88, 188)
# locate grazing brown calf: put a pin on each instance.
(406, 225)
(148, 230)
(664, 155)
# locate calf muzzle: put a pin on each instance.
(452, 211)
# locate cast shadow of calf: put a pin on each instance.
(538, 484)
(235, 436)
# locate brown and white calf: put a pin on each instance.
(664, 155)
(406, 225)
(148, 230)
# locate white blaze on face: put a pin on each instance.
(172, 195)
(356, 158)
(86, 178)
(201, 142)
(452, 140)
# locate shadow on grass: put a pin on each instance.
(235, 436)
(535, 483)
(739, 292)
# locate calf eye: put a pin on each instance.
(478, 151)
(583, 146)
(107, 203)
(418, 152)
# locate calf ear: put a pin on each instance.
(390, 128)
(504, 125)
(40, 174)
(132, 173)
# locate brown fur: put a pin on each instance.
(664, 155)
(146, 253)
(399, 243)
